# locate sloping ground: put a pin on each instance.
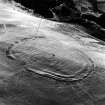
(44, 62)
(101, 5)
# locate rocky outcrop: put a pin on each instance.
(85, 13)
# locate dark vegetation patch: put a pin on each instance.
(89, 16)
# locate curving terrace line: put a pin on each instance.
(37, 65)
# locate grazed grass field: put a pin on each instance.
(44, 62)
